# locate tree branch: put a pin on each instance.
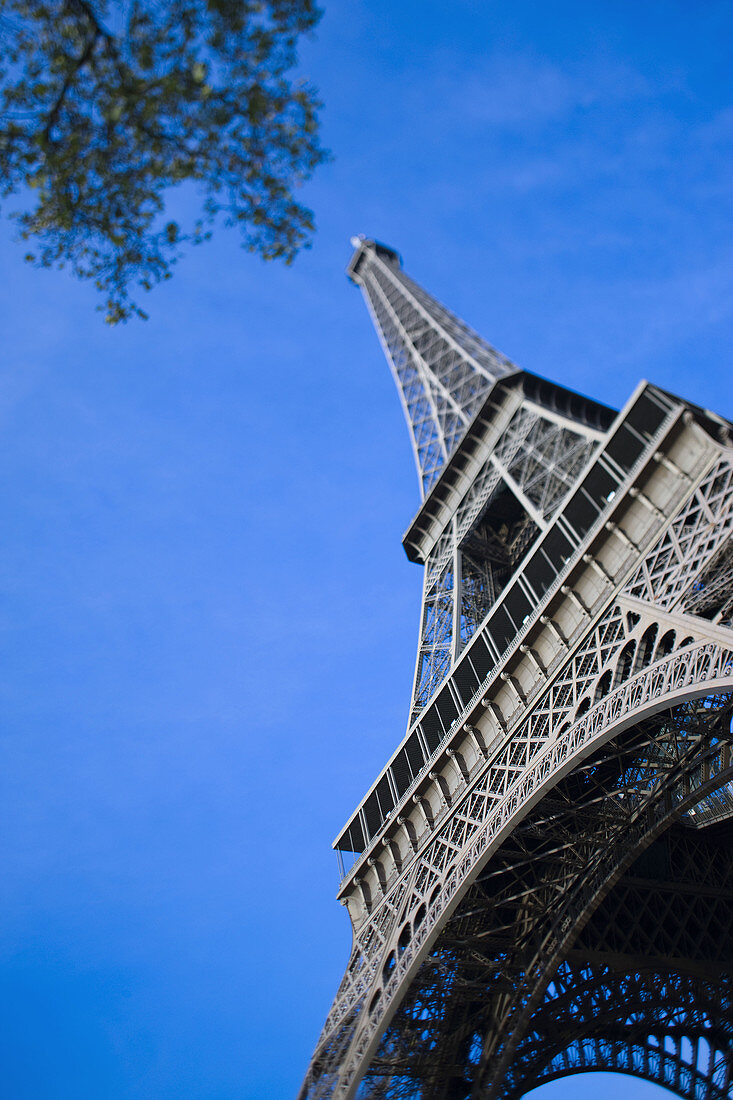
(97, 32)
(64, 90)
(87, 10)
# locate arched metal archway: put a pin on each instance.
(484, 1016)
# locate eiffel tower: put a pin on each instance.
(540, 880)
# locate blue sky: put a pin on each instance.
(208, 622)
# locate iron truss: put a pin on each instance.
(540, 881)
(492, 1012)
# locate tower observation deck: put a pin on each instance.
(540, 880)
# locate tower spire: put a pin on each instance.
(443, 369)
(448, 377)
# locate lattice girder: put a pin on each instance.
(472, 980)
(510, 779)
(650, 972)
(531, 466)
(443, 369)
(434, 878)
(666, 1026)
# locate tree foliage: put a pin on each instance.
(106, 104)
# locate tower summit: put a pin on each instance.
(442, 368)
(540, 880)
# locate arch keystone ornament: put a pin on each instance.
(540, 880)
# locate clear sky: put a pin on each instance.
(208, 622)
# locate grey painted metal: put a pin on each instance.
(443, 369)
(571, 709)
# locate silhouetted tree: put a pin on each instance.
(106, 104)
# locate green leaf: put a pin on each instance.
(99, 129)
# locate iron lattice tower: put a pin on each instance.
(540, 881)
